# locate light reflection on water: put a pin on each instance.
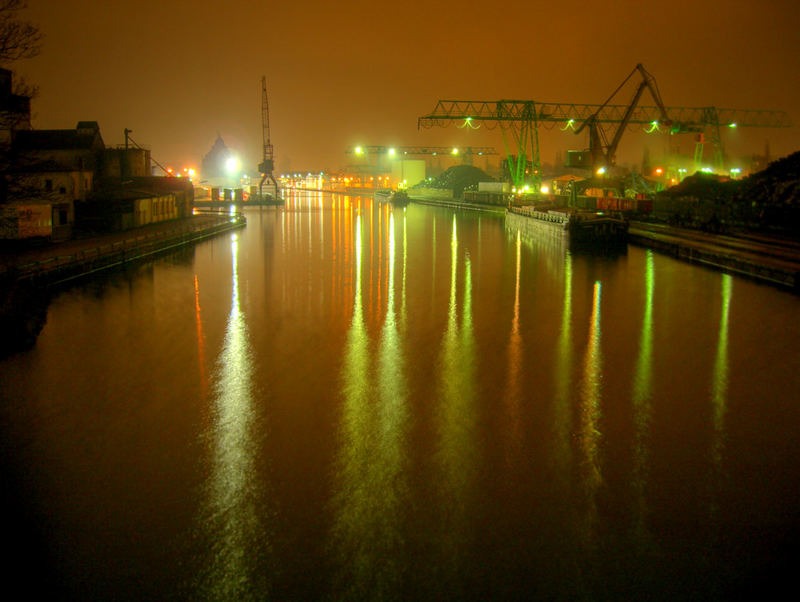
(456, 455)
(235, 515)
(590, 392)
(410, 404)
(370, 487)
(513, 388)
(719, 391)
(642, 403)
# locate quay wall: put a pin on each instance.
(93, 256)
(783, 274)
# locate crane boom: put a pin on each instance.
(606, 154)
(267, 162)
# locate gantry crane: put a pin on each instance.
(521, 120)
(267, 163)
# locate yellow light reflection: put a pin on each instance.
(589, 435)
(371, 464)
(562, 408)
(403, 316)
(514, 363)
(240, 542)
(201, 342)
(456, 454)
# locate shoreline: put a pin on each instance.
(56, 263)
(771, 261)
(765, 259)
(29, 277)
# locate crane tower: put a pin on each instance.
(267, 163)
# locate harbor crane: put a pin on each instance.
(602, 153)
(267, 162)
(520, 120)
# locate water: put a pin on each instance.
(346, 401)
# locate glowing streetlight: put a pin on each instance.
(232, 165)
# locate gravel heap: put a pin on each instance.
(769, 199)
(459, 177)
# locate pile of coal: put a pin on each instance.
(458, 178)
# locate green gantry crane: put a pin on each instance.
(520, 120)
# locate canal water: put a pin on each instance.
(349, 401)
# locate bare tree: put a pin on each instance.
(18, 39)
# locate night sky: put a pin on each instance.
(178, 72)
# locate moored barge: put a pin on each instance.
(577, 227)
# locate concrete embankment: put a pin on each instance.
(499, 210)
(56, 263)
(771, 260)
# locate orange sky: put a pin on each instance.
(178, 72)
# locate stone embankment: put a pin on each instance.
(55, 263)
(767, 259)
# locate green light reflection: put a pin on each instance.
(642, 402)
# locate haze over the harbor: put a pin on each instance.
(339, 74)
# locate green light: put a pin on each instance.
(569, 125)
(731, 125)
(653, 128)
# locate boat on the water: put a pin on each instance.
(578, 227)
(399, 198)
(382, 195)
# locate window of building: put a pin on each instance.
(48, 185)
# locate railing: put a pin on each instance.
(557, 217)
